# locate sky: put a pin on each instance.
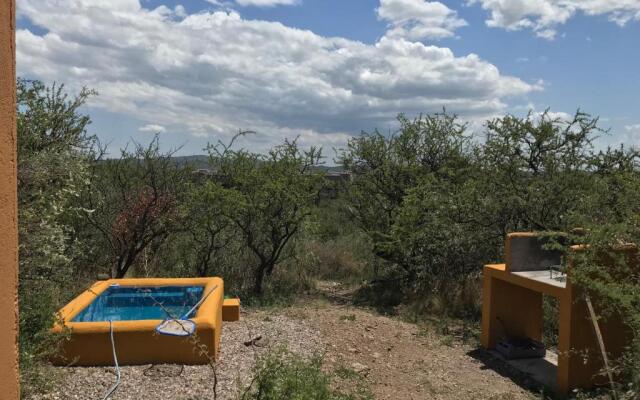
(199, 71)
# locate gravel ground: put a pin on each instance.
(175, 382)
(391, 358)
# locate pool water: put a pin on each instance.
(133, 303)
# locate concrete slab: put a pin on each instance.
(558, 280)
(541, 370)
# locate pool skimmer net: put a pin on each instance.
(182, 326)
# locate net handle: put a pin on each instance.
(199, 302)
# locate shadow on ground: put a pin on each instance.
(521, 379)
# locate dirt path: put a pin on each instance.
(399, 360)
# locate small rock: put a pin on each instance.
(359, 368)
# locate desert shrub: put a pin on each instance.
(243, 221)
(134, 202)
(281, 374)
(385, 168)
(437, 206)
(211, 234)
(270, 197)
(436, 213)
(54, 153)
(440, 250)
(608, 272)
(401, 197)
(333, 244)
(607, 268)
(291, 279)
(331, 218)
(344, 258)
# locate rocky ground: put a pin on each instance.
(175, 382)
(401, 360)
(394, 359)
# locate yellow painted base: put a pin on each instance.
(137, 342)
(512, 306)
(231, 310)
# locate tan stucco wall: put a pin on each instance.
(8, 207)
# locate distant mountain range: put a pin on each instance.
(202, 162)
(196, 161)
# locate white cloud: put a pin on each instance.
(212, 73)
(544, 16)
(267, 3)
(152, 128)
(419, 19)
(255, 3)
(180, 11)
(535, 112)
(556, 115)
(631, 135)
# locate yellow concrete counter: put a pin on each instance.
(512, 305)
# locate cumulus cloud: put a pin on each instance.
(555, 115)
(419, 19)
(211, 73)
(152, 128)
(255, 3)
(633, 131)
(630, 136)
(267, 3)
(543, 16)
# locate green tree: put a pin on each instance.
(270, 196)
(607, 269)
(210, 231)
(54, 154)
(134, 203)
(444, 204)
(536, 169)
(431, 152)
(385, 168)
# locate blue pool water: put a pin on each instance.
(130, 303)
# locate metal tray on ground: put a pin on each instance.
(515, 348)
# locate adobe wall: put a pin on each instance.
(8, 206)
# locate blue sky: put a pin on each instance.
(323, 70)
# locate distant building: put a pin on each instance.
(337, 182)
(339, 176)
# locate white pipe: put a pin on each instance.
(115, 360)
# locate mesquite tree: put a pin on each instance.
(209, 230)
(133, 202)
(270, 196)
(53, 161)
(438, 206)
